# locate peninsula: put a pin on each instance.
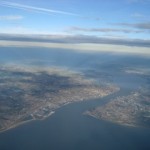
(28, 92)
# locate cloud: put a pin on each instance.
(105, 30)
(20, 29)
(79, 43)
(143, 25)
(77, 39)
(81, 47)
(137, 15)
(11, 17)
(33, 8)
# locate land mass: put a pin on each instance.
(28, 93)
(131, 110)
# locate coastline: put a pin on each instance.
(24, 122)
(53, 111)
(118, 123)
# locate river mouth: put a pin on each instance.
(68, 128)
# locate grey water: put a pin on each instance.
(68, 128)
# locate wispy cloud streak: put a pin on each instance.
(11, 17)
(142, 25)
(105, 30)
(33, 8)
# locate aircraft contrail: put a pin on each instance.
(33, 8)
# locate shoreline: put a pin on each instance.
(118, 123)
(60, 106)
(24, 122)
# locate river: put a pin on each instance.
(68, 128)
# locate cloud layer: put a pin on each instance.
(76, 39)
(79, 43)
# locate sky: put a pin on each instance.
(122, 20)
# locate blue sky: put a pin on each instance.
(125, 18)
(113, 24)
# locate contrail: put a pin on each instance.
(33, 8)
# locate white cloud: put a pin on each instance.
(11, 17)
(33, 8)
(85, 47)
(18, 29)
(78, 43)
